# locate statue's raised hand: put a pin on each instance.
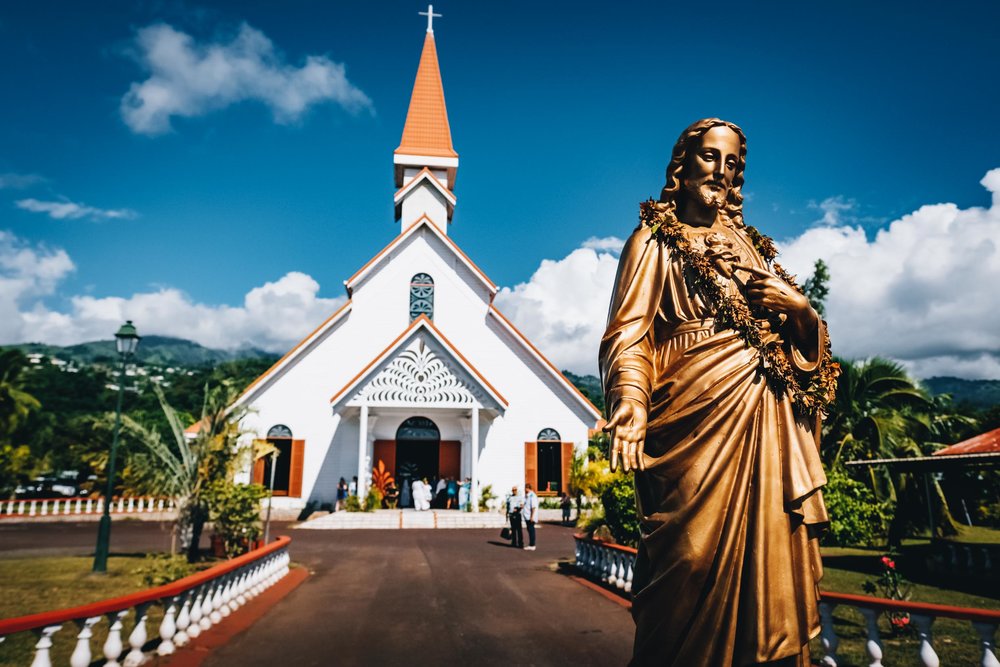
(627, 427)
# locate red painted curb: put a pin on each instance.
(199, 649)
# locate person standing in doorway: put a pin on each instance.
(514, 505)
(530, 514)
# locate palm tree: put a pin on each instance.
(15, 403)
(881, 412)
(588, 477)
(185, 467)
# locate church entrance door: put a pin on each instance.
(418, 444)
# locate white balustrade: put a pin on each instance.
(188, 613)
(614, 566)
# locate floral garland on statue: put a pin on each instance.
(809, 398)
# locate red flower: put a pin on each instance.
(888, 562)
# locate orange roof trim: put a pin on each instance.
(427, 131)
(422, 220)
(425, 173)
(579, 394)
(426, 322)
(288, 355)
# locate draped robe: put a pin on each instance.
(729, 502)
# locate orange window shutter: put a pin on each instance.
(295, 476)
(258, 471)
(531, 464)
(567, 464)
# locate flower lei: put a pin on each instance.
(810, 395)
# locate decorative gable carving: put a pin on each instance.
(419, 376)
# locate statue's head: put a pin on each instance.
(707, 176)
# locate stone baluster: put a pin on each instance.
(873, 644)
(79, 505)
(159, 506)
(100, 505)
(131, 504)
(194, 629)
(239, 590)
(215, 614)
(121, 504)
(629, 573)
(622, 561)
(828, 637)
(928, 658)
(168, 628)
(141, 505)
(42, 657)
(55, 507)
(986, 632)
(113, 646)
(90, 505)
(181, 637)
(137, 638)
(206, 607)
(20, 508)
(81, 652)
(612, 576)
(44, 508)
(227, 597)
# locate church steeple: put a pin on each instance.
(425, 153)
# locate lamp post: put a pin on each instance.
(126, 340)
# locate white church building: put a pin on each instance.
(418, 371)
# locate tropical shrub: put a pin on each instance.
(352, 504)
(856, 517)
(160, 569)
(373, 499)
(235, 511)
(618, 498)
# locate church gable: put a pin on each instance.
(420, 368)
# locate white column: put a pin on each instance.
(362, 449)
(474, 461)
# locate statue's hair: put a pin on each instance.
(734, 200)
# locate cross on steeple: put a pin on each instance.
(430, 17)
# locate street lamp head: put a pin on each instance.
(126, 339)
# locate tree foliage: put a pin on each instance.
(816, 287)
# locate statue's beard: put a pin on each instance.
(707, 192)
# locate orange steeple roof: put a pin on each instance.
(426, 131)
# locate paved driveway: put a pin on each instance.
(434, 597)
(418, 598)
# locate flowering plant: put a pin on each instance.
(893, 586)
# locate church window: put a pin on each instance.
(280, 431)
(280, 437)
(418, 428)
(421, 296)
(549, 434)
(547, 462)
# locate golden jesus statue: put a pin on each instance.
(716, 370)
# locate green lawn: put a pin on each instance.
(955, 642)
(34, 585)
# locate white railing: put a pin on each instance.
(191, 605)
(82, 506)
(613, 564)
(922, 615)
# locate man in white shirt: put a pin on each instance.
(530, 514)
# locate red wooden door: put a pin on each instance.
(450, 459)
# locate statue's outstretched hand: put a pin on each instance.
(627, 427)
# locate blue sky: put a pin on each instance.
(563, 114)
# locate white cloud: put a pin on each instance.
(611, 244)
(835, 210)
(563, 307)
(923, 290)
(12, 181)
(190, 79)
(68, 210)
(273, 316)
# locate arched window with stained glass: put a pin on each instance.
(421, 296)
(549, 434)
